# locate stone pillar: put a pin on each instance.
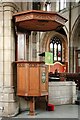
(34, 50)
(75, 48)
(71, 49)
(53, 6)
(71, 59)
(38, 46)
(33, 46)
(1, 60)
(8, 104)
(30, 47)
(29, 5)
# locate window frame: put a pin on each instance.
(56, 40)
(61, 4)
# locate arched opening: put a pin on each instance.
(76, 45)
(56, 48)
(57, 44)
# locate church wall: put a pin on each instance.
(9, 102)
(70, 33)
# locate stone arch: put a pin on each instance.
(44, 43)
(75, 38)
(65, 29)
(75, 32)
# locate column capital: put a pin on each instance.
(9, 4)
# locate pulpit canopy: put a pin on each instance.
(37, 20)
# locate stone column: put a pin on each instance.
(53, 6)
(34, 46)
(1, 60)
(33, 49)
(29, 5)
(38, 46)
(71, 59)
(30, 47)
(8, 104)
(71, 49)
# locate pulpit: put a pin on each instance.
(32, 81)
(32, 77)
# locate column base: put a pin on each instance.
(8, 102)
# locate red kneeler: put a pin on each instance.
(50, 107)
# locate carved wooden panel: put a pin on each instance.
(32, 79)
(38, 20)
(21, 79)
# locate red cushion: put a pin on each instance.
(50, 107)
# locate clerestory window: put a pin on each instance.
(60, 5)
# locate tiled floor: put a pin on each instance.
(62, 111)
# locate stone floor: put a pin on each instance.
(62, 111)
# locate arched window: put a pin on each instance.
(61, 4)
(56, 49)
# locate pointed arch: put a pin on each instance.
(45, 42)
(75, 31)
(75, 38)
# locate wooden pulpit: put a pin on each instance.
(32, 77)
(32, 81)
